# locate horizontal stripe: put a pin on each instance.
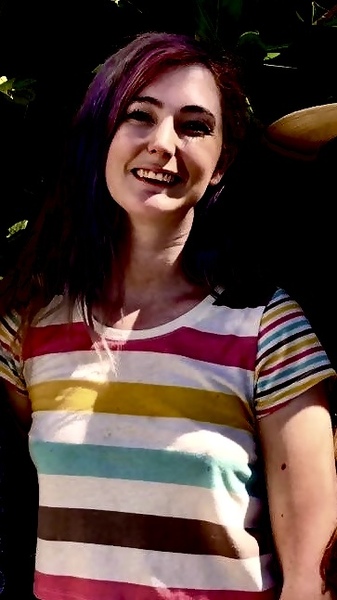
(152, 433)
(300, 351)
(149, 568)
(228, 349)
(148, 497)
(143, 400)
(307, 381)
(205, 316)
(280, 301)
(286, 319)
(276, 399)
(56, 338)
(281, 342)
(133, 367)
(282, 376)
(148, 532)
(142, 465)
(281, 318)
(58, 588)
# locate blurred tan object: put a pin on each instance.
(301, 134)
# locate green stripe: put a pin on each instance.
(163, 466)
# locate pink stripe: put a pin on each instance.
(50, 587)
(229, 350)
(56, 338)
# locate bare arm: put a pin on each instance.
(297, 444)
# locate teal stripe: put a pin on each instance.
(308, 367)
(296, 325)
(140, 464)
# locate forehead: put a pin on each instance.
(185, 86)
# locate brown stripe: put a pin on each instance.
(148, 532)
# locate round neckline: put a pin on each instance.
(185, 320)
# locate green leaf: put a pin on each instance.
(271, 55)
(21, 84)
(6, 85)
(18, 90)
(216, 19)
(19, 226)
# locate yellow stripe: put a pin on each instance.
(278, 311)
(292, 349)
(142, 400)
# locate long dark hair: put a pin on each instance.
(75, 246)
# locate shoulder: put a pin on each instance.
(290, 358)
(9, 326)
(284, 317)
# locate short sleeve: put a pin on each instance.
(10, 361)
(290, 358)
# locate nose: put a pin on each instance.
(163, 138)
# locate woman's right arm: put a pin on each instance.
(13, 389)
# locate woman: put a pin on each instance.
(163, 395)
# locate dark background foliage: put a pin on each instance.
(280, 212)
(57, 45)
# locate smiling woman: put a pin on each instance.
(177, 414)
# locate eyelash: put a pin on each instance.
(199, 128)
(193, 128)
(139, 115)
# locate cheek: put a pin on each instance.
(114, 159)
(111, 173)
(207, 163)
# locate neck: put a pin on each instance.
(155, 256)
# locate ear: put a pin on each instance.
(216, 177)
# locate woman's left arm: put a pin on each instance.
(297, 444)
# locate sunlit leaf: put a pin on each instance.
(6, 85)
(271, 55)
(18, 91)
(19, 226)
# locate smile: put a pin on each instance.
(152, 176)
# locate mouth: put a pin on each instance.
(160, 178)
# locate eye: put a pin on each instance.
(139, 115)
(196, 128)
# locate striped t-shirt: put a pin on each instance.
(150, 487)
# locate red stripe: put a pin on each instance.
(56, 338)
(229, 350)
(50, 587)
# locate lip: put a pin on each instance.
(157, 169)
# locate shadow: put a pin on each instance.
(18, 511)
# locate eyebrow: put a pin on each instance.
(190, 108)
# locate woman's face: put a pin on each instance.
(165, 152)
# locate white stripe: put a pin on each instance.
(137, 367)
(151, 433)
(150, 498)
(156, 569)
(205, 317)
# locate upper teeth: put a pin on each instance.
(167, 177)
